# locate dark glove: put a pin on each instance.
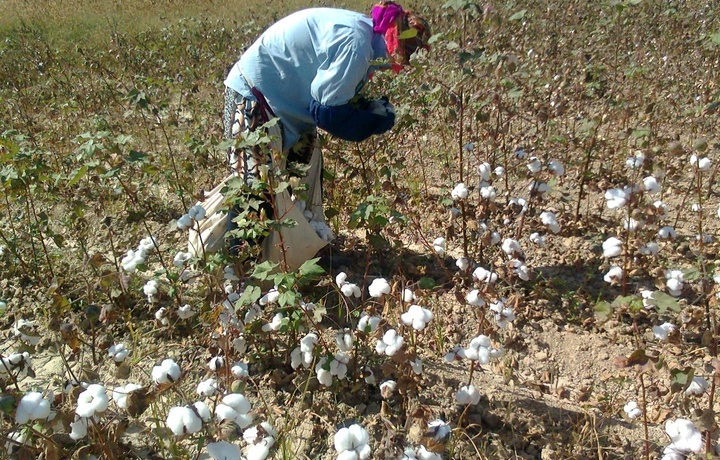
(354, 121)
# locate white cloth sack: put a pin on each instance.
(290, 246)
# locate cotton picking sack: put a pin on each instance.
(291, 245)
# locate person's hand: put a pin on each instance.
(381, 107)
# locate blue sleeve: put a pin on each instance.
(350, 123)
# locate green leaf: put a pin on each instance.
(518, 16)
(288, 298)
(691, 274)
(249, 296)
(406, 34)
(603, 310)
(426, 283)
(264, 270)
(681, 379)
(663, 302)
(311, 269)
(79, 174)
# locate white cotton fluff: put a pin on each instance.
(92, 401)
(32, 406)
(417, 317)
(378, 287)
(352, 443)
(460, 192)
(236, 408)
(390, 343)
(612, 247)
(166, 372)
(467, 395)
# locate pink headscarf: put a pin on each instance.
(387, 17)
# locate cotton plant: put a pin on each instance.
(207, 388)
(185, 420)
(484, 276)
(420, 453)
(161, 315)
(459, 192)
(417, 317)
(664, 331)
(614, 275)
(136, 257)
(538, 239)
(93, 401)
(439, 246)
(186, 312)
(167, 372)
(26, 330)
(632, 410)
(675, 282)
(260, 439)
(475, 298)
(348, 289)
(275, 324)
(701, 163)
(151, 289)
(390, 343)
(549, 219)
(234, 407)
(697, 387)
(480, 349)
(378, 288)
(612, 247)
(467, 395)
(240, 370)
(368, 323)
(118, 352)
(196, 213)
(120, 394)
(352, 443)
(502, 313)
(223, 450)
(685, 439)
(32, 406)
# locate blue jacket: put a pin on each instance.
(309, 66)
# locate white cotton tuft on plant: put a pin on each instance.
(351, 290)
(512, 248)
(275, 324)
(78, 428)
(499, 171)
(184, 222)
(632, 410)
(352, 443)
(344, 340)
(323, 375)
(32, 406)
(417, 317)
(408, 296)
(223, 450)
(488, 192)
(341, 279)
(183, 420)
(485, 171)
(147, 244)
(649, 249)
(503, 313)
(636, 161)
(480, 349)
(151, 289)
(235, 408)
(270, 298)
(207, 387)
(685, 437)
(94, 400)
(474, 298)
(185, 312)
(695, 207)
(368, 323)
(460, 192)
(260, 440)
(390, 343)
(166, 372)
(519, 203)
(550, 220)
(416, 366)
(651, 186)
(467, 395)
(614, 275)
(520, 269)
(378, 287)
(538, 239)
(484, 276)
(616, 198)
(462, 264)
(120, 394)
(181, 258)
(534, 165)
(118, 352)
(439, 430)
(539, 188)
(674, 282)
(697, 387)
(663, 331)
(216, 363)
(556, 167)
(702, 164)
(240, 370)
(439, 246)
(495, 238)
(667, 233)
(161, 316)
(612, 247)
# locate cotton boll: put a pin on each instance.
(632, 224)
(614, 275)
(697, 387)
(276, 323)
(550, 220)
(118, 352)
(240, 370)
(32, 406)
(460, 192)
(184, 222)
(197, 212)
(352, 440)
(663, 331)
(462, 264)
(344, 340)
(223, 451)
(341, 279)
(686, 438)
(636, 161)
(185, 312)
(120, 394)
(474, 298)
(166, 372)
(632, 410)
(488, 192)
(93, 400)
(555, 167)
(78, 428)
(484, 276)
(649, 249)
(538, 239)
(378, 287)
(234, 407)
(534, 166)
(183, 420)
(612, 247)
(181, 258)
(651, 186)
(368, 323)
(207, 387)
(499, 171)
(467, 395)
(439, 246)
(390, 343)
(615, 198)
(484, 169)
(351, 290)
(417, 317)
(666, 233)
